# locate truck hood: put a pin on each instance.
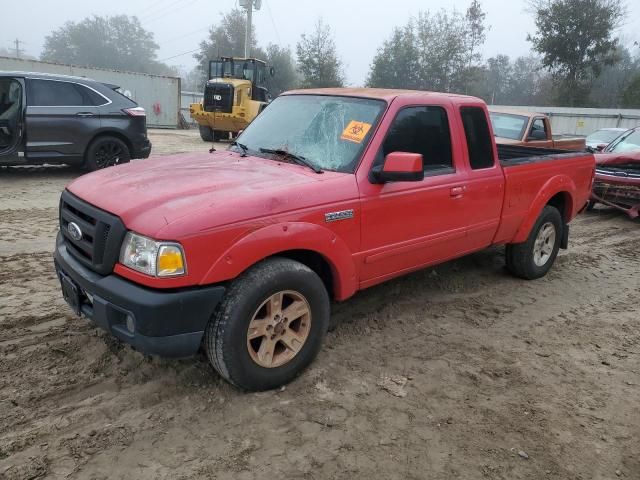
(151, 195)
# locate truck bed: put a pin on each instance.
(510, 155)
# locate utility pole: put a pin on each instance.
(249, 5)
(17, 43)
(247, 38)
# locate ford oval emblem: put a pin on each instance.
(74, 231)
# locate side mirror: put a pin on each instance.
(537, 135)
(400, 167)
(601, 147)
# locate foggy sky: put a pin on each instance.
(359, 26)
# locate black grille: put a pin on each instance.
(102, 233)
(218, 97)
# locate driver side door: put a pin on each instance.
(410, 225)
(12, 108)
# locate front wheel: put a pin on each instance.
(270, 325)
(535, 257)
(106, 152)
(206, 133)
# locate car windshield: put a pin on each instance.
(507, 125)
(603, 136)
(628, 142)
(329, 132)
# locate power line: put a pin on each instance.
(154, 5)
(273, 22)
(168, 10)
(187, 34)
(179, 55)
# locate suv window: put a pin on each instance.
(479, 145)
(423, 130)
(53, 93)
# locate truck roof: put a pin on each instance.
(378, 93)
(515, 111)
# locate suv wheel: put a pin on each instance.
(270, 325)
(206, 134)
(535, 257)
(106, 152)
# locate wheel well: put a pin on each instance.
(118, 135)
(315, 262)
(561, 201)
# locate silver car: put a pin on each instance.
(599, 139)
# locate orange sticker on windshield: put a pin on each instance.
(356, 131)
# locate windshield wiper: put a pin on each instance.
(242, 147)
(299, 159)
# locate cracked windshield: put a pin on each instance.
(329, 132)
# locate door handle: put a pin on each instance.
(85, 114)
(457, 192)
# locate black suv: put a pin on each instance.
(60, 119)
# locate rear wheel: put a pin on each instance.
(590, 205)
(270, 325)
(106, 152)
(206, 133)
(535, 257)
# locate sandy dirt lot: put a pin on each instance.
(502, 378)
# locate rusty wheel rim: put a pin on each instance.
(279, 329)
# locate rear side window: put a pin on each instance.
(53, 93)
(423, 130)
(479, 144)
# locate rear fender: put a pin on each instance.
(274, 239)
(558, 184)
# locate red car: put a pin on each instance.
(327, 192)
(617, 182)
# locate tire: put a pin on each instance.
(249, 303)
(206, 133)
(106, 152)
(591, 205)
(219, 135)
(535, 257)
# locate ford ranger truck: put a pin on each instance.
(326, 193)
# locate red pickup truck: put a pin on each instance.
(326, 193)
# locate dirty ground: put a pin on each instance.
(460, 371)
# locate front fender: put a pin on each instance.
(558, 184)
(274, 239)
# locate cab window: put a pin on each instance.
(479, 144)
(538, 130)
(423, 130)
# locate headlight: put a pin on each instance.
(158, 259)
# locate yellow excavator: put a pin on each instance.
(234, 95)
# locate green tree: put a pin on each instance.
(475, 38)
(286, 77)
(118, 42)
(318, 60)
(226, 39)
(396, 64)
(609, 88)
(433, 51)
(631, 98)
(576, 40)
(499, 73)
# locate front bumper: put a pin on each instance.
(168, 323)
